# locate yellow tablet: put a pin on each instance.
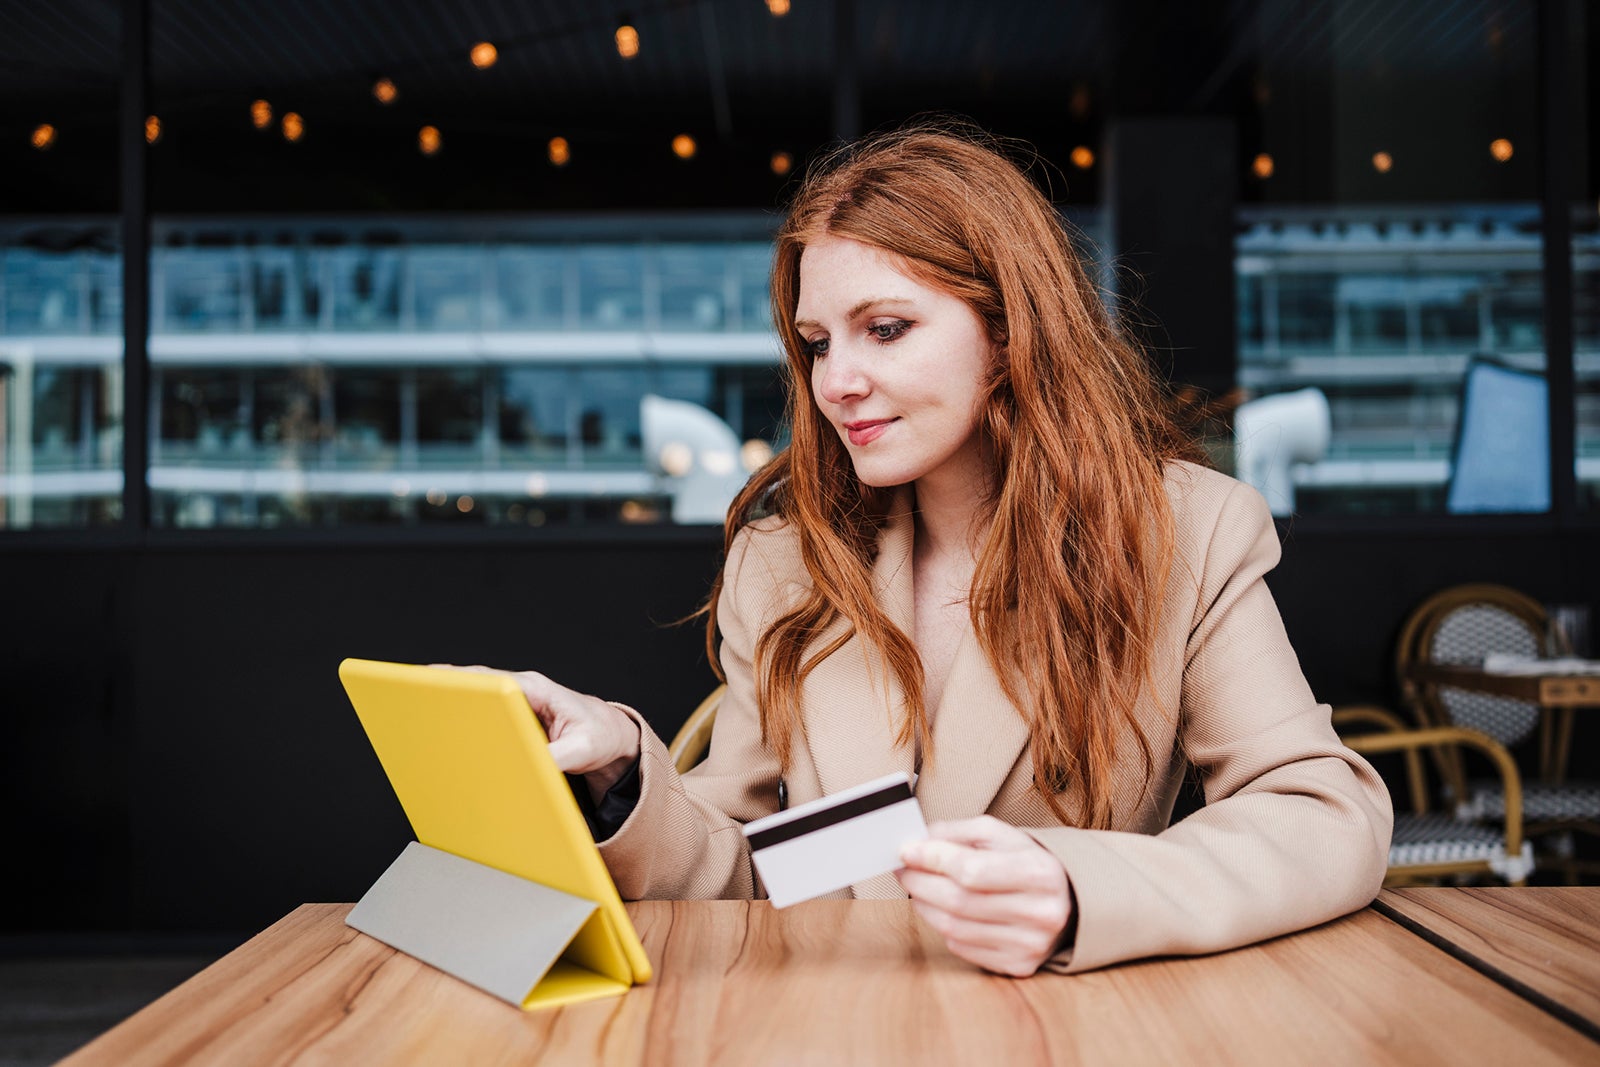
(470, 763)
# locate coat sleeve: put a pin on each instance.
(683, 839)
(1295, 829)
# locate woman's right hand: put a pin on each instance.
(587, 735)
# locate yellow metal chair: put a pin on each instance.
(1429, 845)
(1460, 625)
(693, 739)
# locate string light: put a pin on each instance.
(782, 163)
(1382, 162)
(559, 151)
(1262, 166)
(484, 55)
(1500, 149)
(294, 127)
(779, 8)
(384, 91)
(428, 140)
(683, 146)
(627, 40)
(261, 114)
(44, 135)
(152, 129)
(1083, 157)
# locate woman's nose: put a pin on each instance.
(839, 377)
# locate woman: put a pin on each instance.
(986, 563)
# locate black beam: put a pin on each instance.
(1556, 89)
(135, 265)
(846, 86)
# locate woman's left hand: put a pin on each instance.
(997, 896)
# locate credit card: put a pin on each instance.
(836, 841)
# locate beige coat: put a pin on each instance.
(1295, 830)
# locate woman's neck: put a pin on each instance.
(952, 513)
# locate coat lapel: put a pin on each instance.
(852, 706)
(978, 734)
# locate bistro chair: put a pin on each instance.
(693, 739)
(1459, 626)
(1428, 846)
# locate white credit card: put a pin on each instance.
(837, 841)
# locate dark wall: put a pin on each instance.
(179, 756)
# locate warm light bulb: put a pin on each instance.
(627, 41)
(428, 140)
(1500, 149)
(44, 135)
(782, 163)
(384, 91)
(484, 55)
(559, 151)
(1083, 157)
(152, 129)
(779, 8)
(1262, 165)
(261, 114)
(1382, 162)
(294, 127)
(683, 146)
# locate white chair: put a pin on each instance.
(1274, 434)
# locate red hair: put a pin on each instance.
(1069, 581)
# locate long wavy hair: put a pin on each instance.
(1070, 576)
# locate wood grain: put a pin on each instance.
(827, 982)
(1545, 937)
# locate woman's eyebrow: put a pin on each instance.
(869, 302)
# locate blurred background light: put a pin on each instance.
(683, 146)
(484, 55)
(44, 135)
(294, 126)
(384, 91)
(627, 41)
(559, 151)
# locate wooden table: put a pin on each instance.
(829, 982)
(1543, 942)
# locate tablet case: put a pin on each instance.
(503, 887)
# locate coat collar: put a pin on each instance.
(853, 706)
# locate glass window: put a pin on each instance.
(536, 419)
(448, 287)
(694, 291)
(363, 287)
(531, 288)
(199, 289)
(1384, 250)
(754, 264)
(611, 288)
(608, 414)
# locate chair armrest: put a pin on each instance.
(1411, 740)
(1372, 715)
(689, 745)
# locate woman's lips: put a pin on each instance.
(866, 431)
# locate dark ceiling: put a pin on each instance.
(742, 82)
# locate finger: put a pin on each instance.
(985, 831)
(1000, 961)
(1005, 939)
(985, 871)
(574, 753)
(1039, 907)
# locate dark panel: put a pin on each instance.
(1169, 188)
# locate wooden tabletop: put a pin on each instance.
(847, 981)
(1550, 690)
(1541, 940)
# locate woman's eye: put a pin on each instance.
(818, 348)
(884, 332)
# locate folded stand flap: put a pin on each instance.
(504, 934)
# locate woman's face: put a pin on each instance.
(897, 367)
